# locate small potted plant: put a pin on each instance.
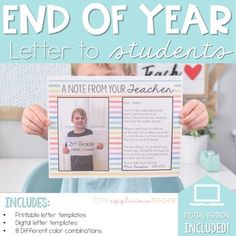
(196, 141)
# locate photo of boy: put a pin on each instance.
(80, 162)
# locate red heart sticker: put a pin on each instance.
(193, 72)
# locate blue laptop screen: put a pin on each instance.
(207, 193)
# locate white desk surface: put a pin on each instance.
(190, 173)
(13, 173)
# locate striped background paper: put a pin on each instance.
(115, 125)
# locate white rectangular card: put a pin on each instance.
(114, 126)
(194, 76)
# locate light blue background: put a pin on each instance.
(226, 196)
(132, 29)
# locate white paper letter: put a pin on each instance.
(52, 9)
(26, 15)
(117, 17)
(7, 18)
(217, 25)
(170, 18)
(193, 11)
(86, 22)
(150, 15)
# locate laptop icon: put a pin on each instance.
(206, 195)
